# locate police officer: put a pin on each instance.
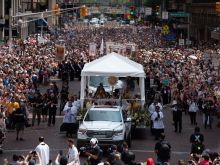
(63, 95)
(208, 108)
(177, 114)
(37, 107)
(197, 139)
(71, 70)
(163, 150)
(52, 101)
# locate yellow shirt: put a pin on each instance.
(12, 106)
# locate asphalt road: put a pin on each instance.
(142, 144)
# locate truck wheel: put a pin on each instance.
(129, 140)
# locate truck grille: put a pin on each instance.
(99, 134)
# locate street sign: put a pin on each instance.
(181, 42)
(170, 36)
(142, 10)
(2, 21)
(165, 29)
(148, 11)
(179, 14)
(188, 42)
(215, 35)
(165, 15)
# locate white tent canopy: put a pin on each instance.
(116, 65)
(113, 64)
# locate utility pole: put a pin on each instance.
(10, 29)
(41, 28)
(188, 27)
(164, 5)
(32, 5)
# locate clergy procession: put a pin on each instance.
(169, 93)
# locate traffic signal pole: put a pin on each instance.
(10, 29)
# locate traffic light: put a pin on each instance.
(217, 6)
(132, 10)
(56, 9)
(84, 11)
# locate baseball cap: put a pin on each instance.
(93, 141)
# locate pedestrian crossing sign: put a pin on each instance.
(165, 29)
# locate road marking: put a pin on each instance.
(151, 151)
(135, 151)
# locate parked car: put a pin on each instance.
(132, 22)
(94, 21)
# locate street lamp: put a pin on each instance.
(20, 23)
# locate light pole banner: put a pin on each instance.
(60, 52)
(92, 49)
(165, 15)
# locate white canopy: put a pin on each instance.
(113, 64)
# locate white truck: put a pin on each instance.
(106, 123)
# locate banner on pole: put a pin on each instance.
(92, 49)
(102, 47)
(60, 52)
(123, 49)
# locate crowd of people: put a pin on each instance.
(186, 79)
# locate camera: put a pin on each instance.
(34, 153)
(85, 149)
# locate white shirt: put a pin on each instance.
(193, 107)
(157, 124)
(44, 152)
(73, 154)
(151, 108)
(174, 108)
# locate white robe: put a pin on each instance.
(70, 114)
(157, 124)
(44, 153)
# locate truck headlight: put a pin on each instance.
(82, 130)
(118, 132)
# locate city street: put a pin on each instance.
(142, 144)
(116, 57)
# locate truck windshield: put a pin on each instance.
(97, 115)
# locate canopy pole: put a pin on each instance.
(82, 91)
(142, 90)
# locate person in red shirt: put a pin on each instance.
(205, 160)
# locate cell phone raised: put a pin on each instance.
(34, 153)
